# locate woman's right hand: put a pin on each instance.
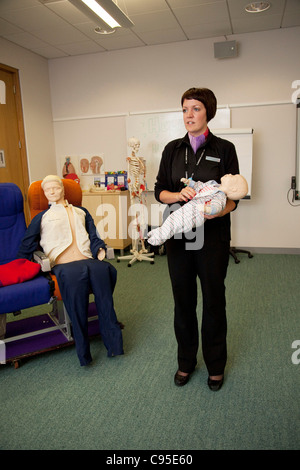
(186, 194)
(167, 197)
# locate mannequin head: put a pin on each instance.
(53, 188)
(234, 186)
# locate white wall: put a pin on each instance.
(36, 101)
(153, 79)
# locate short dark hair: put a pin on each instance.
(206, 97)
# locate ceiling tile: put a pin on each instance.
(189, 3)
(32, 18)
(16, 4)
(208, 30)
(79, 48)
(292, 14)
(134, 7)
(162, 36)
(8, 28)
(153, 21)
(26, 40)
(201, 14)
(60, 35)
(246, 25)
(49, 52)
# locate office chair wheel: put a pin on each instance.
(151, 262)
(233, 251)
(16, 364)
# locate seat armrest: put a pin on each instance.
(42, 259)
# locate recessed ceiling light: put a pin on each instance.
(99, 30)
(257, 7)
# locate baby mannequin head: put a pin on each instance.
(234, 186)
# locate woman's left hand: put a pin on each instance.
(230, 205)
(208, 216)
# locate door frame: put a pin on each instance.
(21, 130)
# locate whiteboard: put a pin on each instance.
(155, 130)
(243, 142)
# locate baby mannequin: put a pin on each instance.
(68, 237)
(210, 199)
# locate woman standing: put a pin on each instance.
(202, 156)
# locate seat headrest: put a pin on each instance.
(12, 221)
(38, 201)
(11, 204)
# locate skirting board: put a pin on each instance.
(270, 251)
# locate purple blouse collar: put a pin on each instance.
(196, 142)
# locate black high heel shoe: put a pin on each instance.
(215, 385)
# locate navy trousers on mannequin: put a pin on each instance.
(210, 265)
(76, 280)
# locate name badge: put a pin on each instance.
(212, 159)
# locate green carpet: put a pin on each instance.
(131, 402)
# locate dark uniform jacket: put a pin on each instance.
(214, 159)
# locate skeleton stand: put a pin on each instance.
(136, 168)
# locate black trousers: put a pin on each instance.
(76, 280)
(209, 264)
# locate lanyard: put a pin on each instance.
(186, 162)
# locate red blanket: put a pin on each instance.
(18, 270)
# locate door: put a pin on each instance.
(13, 159)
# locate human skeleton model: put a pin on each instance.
(210, 198)
(137, 185)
